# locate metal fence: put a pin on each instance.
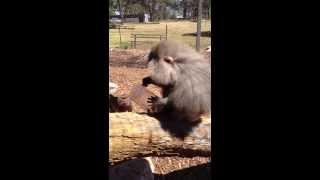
(142, 36)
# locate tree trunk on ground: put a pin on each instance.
(135, 135)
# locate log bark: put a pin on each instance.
(135, 135)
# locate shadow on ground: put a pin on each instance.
(200, 172)
(140, 169)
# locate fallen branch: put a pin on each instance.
(135, 135)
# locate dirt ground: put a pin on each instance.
(127, 69)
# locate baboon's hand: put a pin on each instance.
(153, 99)
(151, 103)
(146, 81)
(156, 103)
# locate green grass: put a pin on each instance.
(175, 32)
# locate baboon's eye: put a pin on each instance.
(168, 59)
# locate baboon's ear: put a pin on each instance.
(168, 59)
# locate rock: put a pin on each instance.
(136, 169)
(112, 88)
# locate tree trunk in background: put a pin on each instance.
(164, 15)
(120, 11)
(153, 7)
(199, 25)
(184, 5)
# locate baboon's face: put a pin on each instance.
(166, 60)
(163, 69)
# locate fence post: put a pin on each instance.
(166, 31)
(135, 41)
(120, 36)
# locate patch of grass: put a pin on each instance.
(125, 45)
(176, 31)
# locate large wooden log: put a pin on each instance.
(135, 135)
